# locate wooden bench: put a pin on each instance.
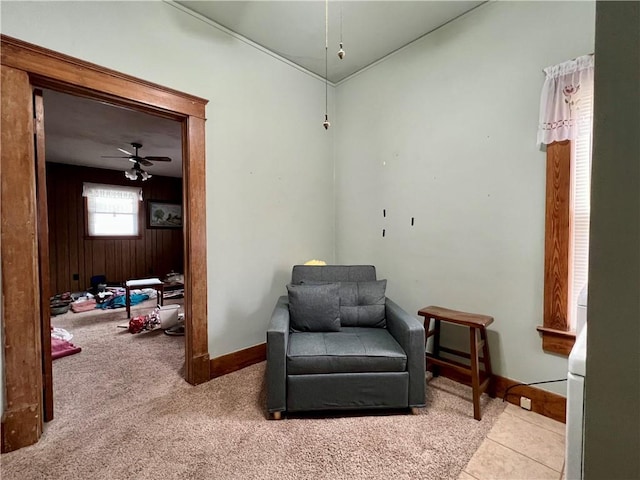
(480, 380)
(154, 283)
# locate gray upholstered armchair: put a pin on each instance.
(336, 342)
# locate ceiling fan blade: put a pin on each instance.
(158, 159)
(145, 162)
(103, 156)
(124, 151)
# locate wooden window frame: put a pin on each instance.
(556, 334)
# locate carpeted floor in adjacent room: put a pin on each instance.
(123, 410)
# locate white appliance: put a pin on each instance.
(575, 395)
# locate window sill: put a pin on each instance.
(112, 237)
(557, 341)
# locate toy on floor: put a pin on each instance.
(164, 318)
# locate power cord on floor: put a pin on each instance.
(506, 392)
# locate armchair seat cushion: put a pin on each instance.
(352, 350)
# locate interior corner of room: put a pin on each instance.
(430, 171)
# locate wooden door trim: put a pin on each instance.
(22, 418)
(195, 251)
(88, 79)
(43, 249)
(45, 68)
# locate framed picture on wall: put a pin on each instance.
(164, 214)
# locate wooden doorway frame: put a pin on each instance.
(24, 67)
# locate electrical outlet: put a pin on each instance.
(525, 403)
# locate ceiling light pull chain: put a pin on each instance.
(326, 123)
(341, 52)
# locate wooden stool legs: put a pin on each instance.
(435, 369)
(478, 386)
(480, 380)
(487, 360)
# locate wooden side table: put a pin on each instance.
(480, 380)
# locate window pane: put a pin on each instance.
(112, 215)
(580, 203)
(109, 224)
(114, 205)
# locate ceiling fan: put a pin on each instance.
(136, 171)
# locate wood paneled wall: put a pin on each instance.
(156, 253)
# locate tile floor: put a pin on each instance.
(521, 445)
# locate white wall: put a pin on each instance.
(612, 417)
(445, 131)
(269, 161)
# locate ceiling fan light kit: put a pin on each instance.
(131, 174)
(136, 172)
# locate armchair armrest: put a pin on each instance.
(277, 342)
(409, 333)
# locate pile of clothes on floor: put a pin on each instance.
(61, 345)
(59, 304)
(108, 297)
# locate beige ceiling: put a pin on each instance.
(80, 131)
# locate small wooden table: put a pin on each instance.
(154, 283)
(480, 380)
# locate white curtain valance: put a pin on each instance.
(98, 190)
(566, 87)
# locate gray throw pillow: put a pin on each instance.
(362, 304)
(314, 308)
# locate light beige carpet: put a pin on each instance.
(122, 410)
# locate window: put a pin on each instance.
(112, 210)
(580, 205)
(567, 201)
(567, 235)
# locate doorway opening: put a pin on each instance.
(26, 67)
(110, 175)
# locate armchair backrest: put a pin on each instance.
(333, 273)
(362, 298)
